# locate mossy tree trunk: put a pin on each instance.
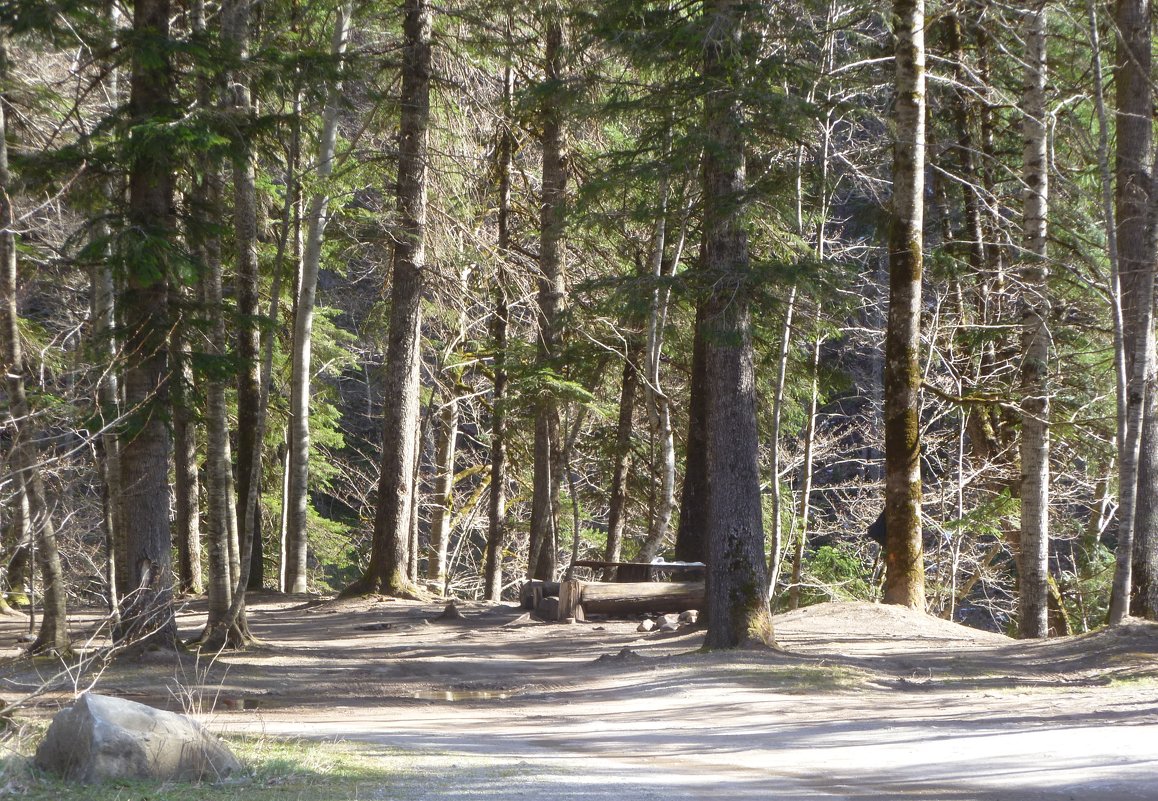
(737, 587)
(549, 465)
(904, 558)
(497, 503)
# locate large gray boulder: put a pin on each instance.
(100, 737)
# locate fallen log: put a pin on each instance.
(634, 598)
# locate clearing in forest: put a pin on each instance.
(864, 701)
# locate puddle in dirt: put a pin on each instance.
(461, 695)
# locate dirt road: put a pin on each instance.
(866, 702)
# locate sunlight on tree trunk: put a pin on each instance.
(904, 560)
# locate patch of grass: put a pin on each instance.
(799, 678)
(1142, 679)
(276, 769)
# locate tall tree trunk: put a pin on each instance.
(1134, 96)
(235, 22)
(221, 518)
(497, 504)
(420, 438)
(187, 505)
(777, 415)
(545, 502)
(220, 501)
(291, 240)
(440, 523)
(904, 560)
(1141, 379)
(737, 588)
(108, 394)
(386, 572)
(1035, 407)
(806, 474)
(317, 216)
(52, 636)
(233, 631)
(982, 437)
(691, 533)
(617, 504)
(147, 613)
(658, 404)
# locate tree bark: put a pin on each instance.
(737, 587)
(108, 393)
(317, 216)
(1132, 201)
(777, 415)
(1035, 406)
(497, 504)
(187, 505)
(147, 614)
(621, 456)
(221, 504)
(548, 471)
(658, 404)
(440, 523)
(386, 572)
(904, 560)
(691, 533)
(235, 21)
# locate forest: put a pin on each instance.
(846, 300)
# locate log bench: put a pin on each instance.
(576, 599)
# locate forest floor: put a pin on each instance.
(862, 701)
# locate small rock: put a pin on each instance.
(666, 619)
(101, 737)
(690, 617)
(669, 625)
(450, 613)
(646, 625)
(624, 655)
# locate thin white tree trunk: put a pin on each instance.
(1035, 407)
(806, 473)
(656, 401)
(440, 523)
(317, 216)
(774, 560)
(108, 394)
(497, 503)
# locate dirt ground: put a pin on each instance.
(862, 701)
